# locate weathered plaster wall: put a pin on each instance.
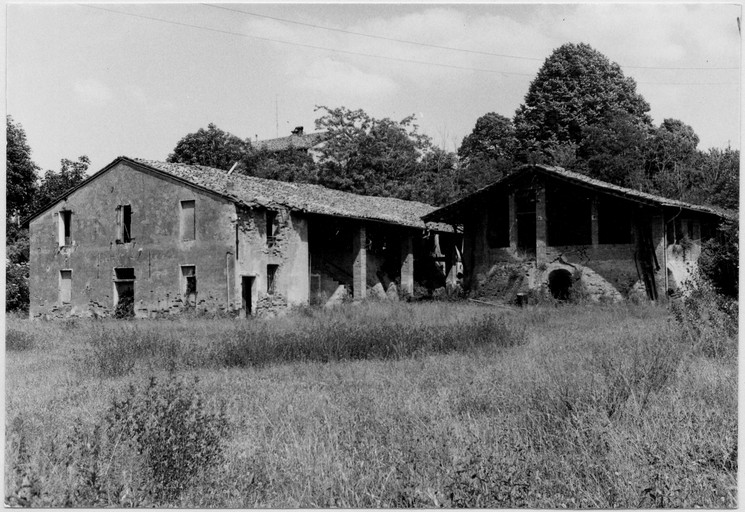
(289, 251)
(156, 251)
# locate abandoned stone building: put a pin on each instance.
(149, 238)
(547, 228)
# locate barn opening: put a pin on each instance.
(569, 213)
(525, 214)
(560, 284)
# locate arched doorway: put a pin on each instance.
(560, 283)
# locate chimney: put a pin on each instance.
(298, 130)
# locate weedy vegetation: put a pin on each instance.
(379, 405)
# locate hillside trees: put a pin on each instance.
(212, 147)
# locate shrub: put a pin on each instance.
(720, 257)
(172, 430)
(16, 286)
(707, 320)
(16, 340)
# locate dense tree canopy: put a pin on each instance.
(366, 155)
(211, 147)
(576, 88)
(20, 171)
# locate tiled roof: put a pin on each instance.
(252, 191)
(446, 212)
(305, 141)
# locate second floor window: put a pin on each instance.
(271, 228)
(188, 221)
(124, 223)
(65, 228)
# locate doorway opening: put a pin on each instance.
(247, 283)
(124, 292)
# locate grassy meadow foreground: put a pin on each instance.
(377, 405)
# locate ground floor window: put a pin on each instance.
(189, 284)
(271, 278)
(65, 286)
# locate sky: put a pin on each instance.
(86, 81)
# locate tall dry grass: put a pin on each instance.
(604, 406)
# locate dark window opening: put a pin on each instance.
(498, 223)
(246, 292)
(525, 216)
(124, 223)
(569, 216)
(65, 291)
(271, 278)
(690, 229)
(614, 221)
(66, 231)
(188, 220)
(560, 284)
(271, 228)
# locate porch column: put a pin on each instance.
(540, 224)
(513, 223)
(407, 264)
(659, 239)
(594, 221)
(359, 267)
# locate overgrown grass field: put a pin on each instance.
(377, 405)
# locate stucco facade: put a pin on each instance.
(136, 240)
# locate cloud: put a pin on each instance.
(93, 92)
(341, 80)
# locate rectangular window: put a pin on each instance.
(271, 278)
(614, 221)
(188, 220)
(124, 223)
(65, 286)
(65, 228)
(569, 215)
(674, 231)
(271, 231)
(498, 222)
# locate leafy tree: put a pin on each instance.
(435, 179)
(54, 184)
(614, 151)
(287, 165)
(20, 171)
(211, 147)
(719, 261)
(577, 87)
(369, 156)
(717, 178)
(672, 158)
(487, 153)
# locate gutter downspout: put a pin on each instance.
(227, 280)
(664, 252)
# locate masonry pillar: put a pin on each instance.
(594, 222)
(659, 239)
(540, 224)
(407, 264)
(513, 223)
(359, 267)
